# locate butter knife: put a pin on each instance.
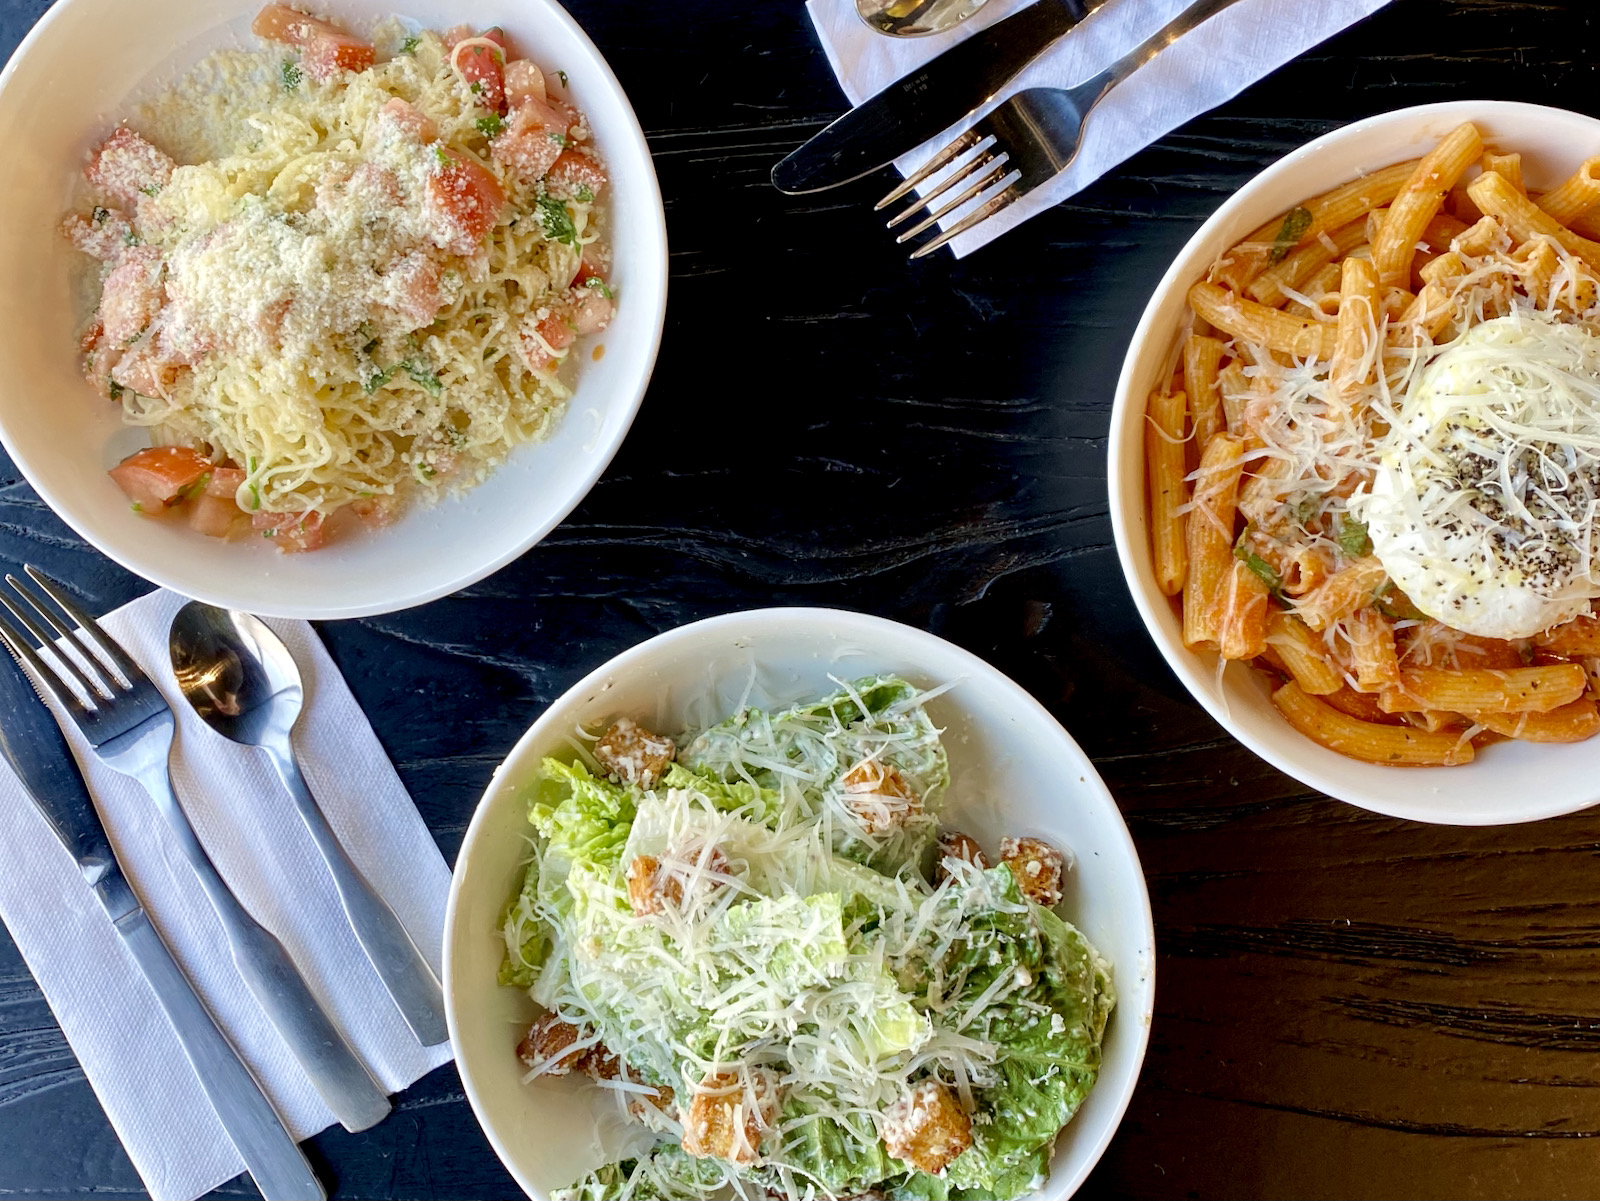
(929, 100)
(31, 742)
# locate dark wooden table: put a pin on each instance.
(1348, 1006)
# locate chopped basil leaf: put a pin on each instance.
(562, 76)
(1269, 574)
(491, 125)
(100, 215)
(409, 46)
(255, 492)
(1306, 510)
(422, 374)
(1353, 538)
(291, 75)
(137, 507)
(1289, 234)
(443, 159)
(558, 226)
(585, 194)
(378, 379)
(560, 139)
(116, 390)
(1393, 603)
(599, 285)
(131, 239)
(476, 88)
(151, 190)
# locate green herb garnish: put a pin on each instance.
(115, 390)
(137, 507)
(475, 88)
(1393, 603)
(255, 492)
(443, 159)
(562, 76)
(292, 75)
(1268, 573)
(423, 375)
(131, 239)
(558, 226)
(151, 190)
(599, 285)
(409, 46)
(378, 379)
(100, 215)
(585, 194)
(1289, 234)
(1353, 538)
(491, 125)
(560, 139)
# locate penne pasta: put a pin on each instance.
(1301, 226)
(1233, 388)
(1164, 470)
(1486, 690)
(1575, 722)
(1252, 321)
(1303, 654)
(1202, 357)
(1397, 746)
(1373, 659)
(1419, 201)
(1209, 539)
(1297, 268)
(1579, 637)
(1508, 165)
(1246, 602)
(1355, 352)
(1523, 220)
(1580, 194)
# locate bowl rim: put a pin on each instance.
(1133, 556)
(654, 224)
(843, 620)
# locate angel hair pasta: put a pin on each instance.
(331, 284)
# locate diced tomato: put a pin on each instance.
(376, 511)
(225, 483)
(126, 168)
(215, 517)
(592, 314)
(132, 295)
(159, 475)
(592, 266)
(414, 124)
(483, 67)
(524, 81)
(464, 201)
(325, 48)
(530, 145)
(290, 532)
(414, 284)
(553, 331)
(575, 175)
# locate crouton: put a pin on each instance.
(687, 873)
(632, 753)
(1038, 867)
(955, 845)
(728, 1115)
(601, 1063)
(546, 1040)
(927, 1128)
(878, 797)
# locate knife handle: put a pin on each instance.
(277, 1165)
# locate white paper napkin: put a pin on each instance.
(1205, 67)
(249, 825)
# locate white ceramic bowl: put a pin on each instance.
(64, 89)
(1014, 771)
(1508, 782)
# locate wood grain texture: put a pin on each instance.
(1348, 1006)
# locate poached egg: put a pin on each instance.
(1484, 505)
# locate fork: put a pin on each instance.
(1026, 141)
(130, 726)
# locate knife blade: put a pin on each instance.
(930, 99)
(32, 743)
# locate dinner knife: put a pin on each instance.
(929, 100)
(32, 743)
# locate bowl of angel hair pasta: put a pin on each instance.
(321, 314)
(798, 903)
(1355, 463)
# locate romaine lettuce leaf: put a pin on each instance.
(666, 1174)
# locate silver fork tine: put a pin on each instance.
(988, 208)
(954, 150)
(988, 179)
(23, 653)
(982, 159)
(88, 627)
(95, 688)
(74, 652)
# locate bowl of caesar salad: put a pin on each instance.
(798, 903)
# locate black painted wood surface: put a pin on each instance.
(1347, 1005)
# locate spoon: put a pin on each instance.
(244, 684)
(915, 18)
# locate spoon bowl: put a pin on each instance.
(915, 18)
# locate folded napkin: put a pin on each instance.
(250, 827)
(1205, 67)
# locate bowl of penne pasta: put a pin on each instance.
(1355, 463)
